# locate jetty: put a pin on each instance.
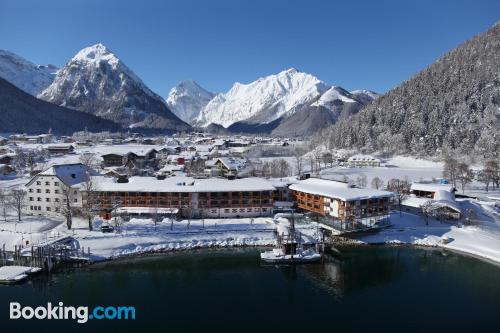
(18, 264)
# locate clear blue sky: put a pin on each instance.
(355, 44)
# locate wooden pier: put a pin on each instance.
(47, 256)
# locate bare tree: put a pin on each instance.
(450, 170)
(266, 169)
(116, 204)
(464, 175)
(4, 203)
(401, 189)
(19, 160)
(298, 154)
(377, 183)
(428, 210)
(361, 181)
(90, 160)
(64, 206)
(17, 201)
(490, 174)
(90, 200)
(327, 159)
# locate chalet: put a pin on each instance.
(112, 160)
(3, 141)
(195, 198)
(440, 197)
(60, 149)
(230, 166)
(341, 205)
(363, 161)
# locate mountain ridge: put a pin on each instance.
(96, 81)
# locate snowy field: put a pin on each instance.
(397, 167)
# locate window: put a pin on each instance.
(249, 209)
(31, 190)
(56, 183)
(213, 211)
(264, 209)
(31, 199)
(57, 209)
(47, 183)
(38, 190)
(235, 210)
(56, 191)
(38, 182)
(76, 200)
(242, 210)
(56, 199)
(226, 210)
(38, 199)
(31, 207)
(47, 199)
(75, 192)
(47, 191)
(48, 209)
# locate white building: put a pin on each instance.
(363, 161)
(47, 191)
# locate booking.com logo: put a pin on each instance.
(81, 314)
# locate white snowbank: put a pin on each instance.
(481, 240)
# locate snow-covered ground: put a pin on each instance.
(482, 239)
(142, 235)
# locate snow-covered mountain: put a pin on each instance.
(24, 74)
(365, 96)
(187, 99)
(97, 82)
(264, 100)
(288, 103)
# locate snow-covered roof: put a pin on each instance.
(183, 184)
(233, 163)
(70, 174)
(337, 190)
(431, 187)
(363, 158)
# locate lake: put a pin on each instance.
(390, 289)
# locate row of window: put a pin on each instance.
(39, 208)
(46, 191)
(38, 182)
(241, 210)
(48, 199)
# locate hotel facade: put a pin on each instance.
(340, 204)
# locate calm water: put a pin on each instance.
(372, 289)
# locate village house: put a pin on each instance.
(340, 204)
(112, 160)
(229, 166)
(55, 150)
(363, 161)
(51, 188)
